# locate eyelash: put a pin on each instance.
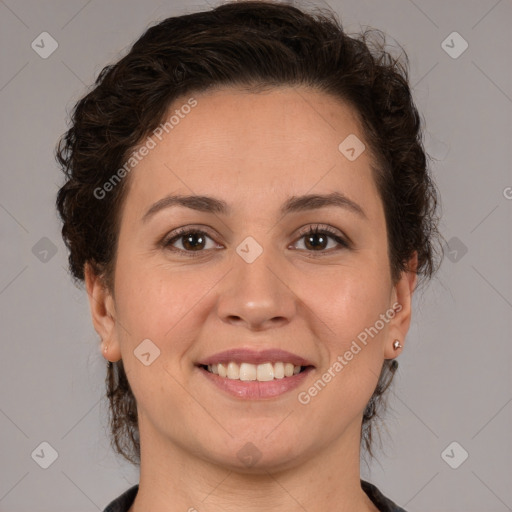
(310, 230)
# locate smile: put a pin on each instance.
(253, 382)
(261, 372)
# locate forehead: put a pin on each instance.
(285, 141)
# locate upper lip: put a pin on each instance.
(243, 355)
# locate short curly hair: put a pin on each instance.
(252, 45)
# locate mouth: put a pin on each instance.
(263, 372)
(255, 382)
(250, 374)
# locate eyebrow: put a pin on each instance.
(294, 204)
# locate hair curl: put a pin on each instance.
(251, 44)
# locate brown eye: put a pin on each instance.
(317, 239)
(189, 241)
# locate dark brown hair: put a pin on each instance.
(250, 45)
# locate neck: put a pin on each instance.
(173, 479)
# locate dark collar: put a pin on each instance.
(379, 500)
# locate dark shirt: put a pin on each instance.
(125, 501)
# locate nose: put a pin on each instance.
(257, 295)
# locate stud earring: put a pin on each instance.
(396, 344)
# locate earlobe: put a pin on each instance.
(402, 304)
(102, 309)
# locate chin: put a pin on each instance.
(254, 454)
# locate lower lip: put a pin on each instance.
(256, 390)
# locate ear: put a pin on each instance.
(103, 315)
(402, 301)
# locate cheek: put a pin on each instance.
(153, 304)
(350, 334)
(163, 304)
(146, 294)
(349, 300)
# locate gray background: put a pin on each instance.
(454, 381)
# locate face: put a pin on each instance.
(239, 272)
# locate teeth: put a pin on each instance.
(233, 371)
(248, 372)
(221, 369)
(278, 370)
(265, 372)
(261, 372)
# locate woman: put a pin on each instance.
(248, 202)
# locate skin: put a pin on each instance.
(254, 151)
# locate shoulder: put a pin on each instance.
(379, 500)
(123, 502)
